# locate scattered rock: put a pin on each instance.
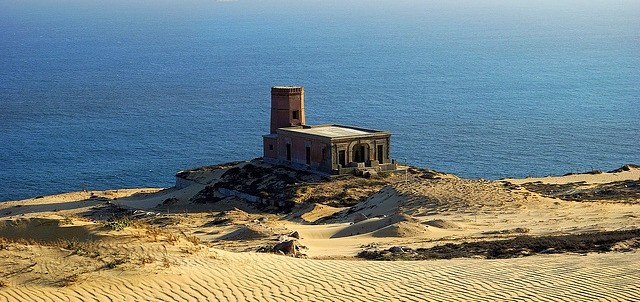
(508, 231)
(370, 246)
(627, 167)
(400, 249)
(548, 251)
(286, 247)
(396, 249)
(524, 252)
(626, 245)
(141, 213)
(370, 174)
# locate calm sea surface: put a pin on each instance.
(111, 94)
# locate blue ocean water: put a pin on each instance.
(111, 94)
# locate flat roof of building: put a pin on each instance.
(286, 87)
(333, 131)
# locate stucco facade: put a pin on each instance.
(334, 149)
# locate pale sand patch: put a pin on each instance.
(70, 203)
(259, 277)
(632, 174)
(156, 199)
(317, 211)
(49, 229)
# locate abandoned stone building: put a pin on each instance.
(333, 149)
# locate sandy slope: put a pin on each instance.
(66, 247)
(259, 277)
(632, 173)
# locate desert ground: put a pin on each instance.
(248, 231)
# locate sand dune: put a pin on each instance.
(254, 277)
(45, 230)
(157, 245)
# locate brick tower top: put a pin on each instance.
(287, 107)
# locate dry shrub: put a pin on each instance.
(194, 240)
(4, 244)
(523, 245)
(24, 241)
(191, 249)
(147, 259)
(166, 263)
(70, 280)
(171, 238)
(66, 221)
(154, 232)
(80, 248)
(113, 264)
(118, 224)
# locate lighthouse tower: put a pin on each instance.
(287, 110)
(287, 107)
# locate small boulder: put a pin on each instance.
(396, 249)
(370, 174)
(286, 247)
(295, 235)
(548, 251)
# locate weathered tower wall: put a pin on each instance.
(287, 107)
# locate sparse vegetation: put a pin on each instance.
(275, 186)
(153, 232)
(193, 239)
(66, 221)
(147, 259)
(157, 234)
(171, 238)
(114, 263)
(70, 280)
(621, 191)
(384, 174)
(118, 224)
(508, 231)
(166, 263)
(75, 247)
(517, 247)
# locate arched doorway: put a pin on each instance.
(360, 153)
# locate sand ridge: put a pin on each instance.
(259, 277)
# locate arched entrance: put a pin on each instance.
(360, 153)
